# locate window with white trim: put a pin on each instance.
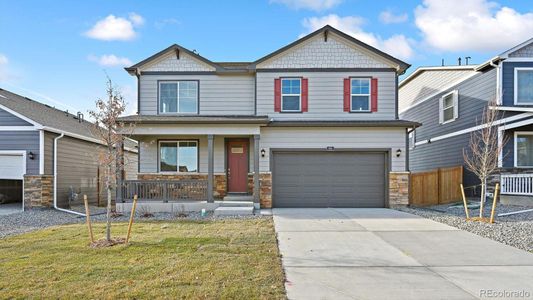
(178, 156)
(178, 97)
(523, 145)
(523, 83)
(360, 95)
(448, 106)
(291, 94)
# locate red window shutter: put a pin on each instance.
(347, 94)
(374, 95)
(304, 95)
(277, 95)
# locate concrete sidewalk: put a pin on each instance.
(387, 254)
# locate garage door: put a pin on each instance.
(329, 179)
(11, 166)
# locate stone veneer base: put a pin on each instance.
(38, 191)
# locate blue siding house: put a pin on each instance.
(449, 101)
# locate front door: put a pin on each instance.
(237, 152)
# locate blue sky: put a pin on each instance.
(58, 52)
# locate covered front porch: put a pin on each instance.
(195, 166)
(516, 172)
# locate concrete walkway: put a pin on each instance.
(387, 254)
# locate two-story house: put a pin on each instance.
(450, 101)
(313, 124)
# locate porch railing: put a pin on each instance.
(160, 190)
(517, 184)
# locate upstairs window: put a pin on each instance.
(448, 107)
(360, 95)
(178, 97)
(523, 85)
(291, 95)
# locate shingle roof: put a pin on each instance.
(48, 116)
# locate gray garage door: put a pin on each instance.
(329, 179)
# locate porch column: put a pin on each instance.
(256, 169)
(210, 167)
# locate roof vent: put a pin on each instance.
(459, 61)
(66, 113)
(80, 117)
(467, 59)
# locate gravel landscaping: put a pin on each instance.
(35, 219)
(514, 230)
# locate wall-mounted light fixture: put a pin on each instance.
(263, 152)
(398, 152)
(31, 155)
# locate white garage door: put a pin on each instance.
(12, 166)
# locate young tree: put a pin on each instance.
(484, 149)
(110, 132)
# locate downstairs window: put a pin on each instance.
(178, 156)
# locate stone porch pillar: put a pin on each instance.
(256, 170)
(210, 167)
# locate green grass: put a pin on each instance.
(181, 259)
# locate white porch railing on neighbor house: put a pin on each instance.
(165, 190)
(517, 184)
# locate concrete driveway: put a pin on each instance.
(387, 254)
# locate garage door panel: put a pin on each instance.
(329, 179)
(11, 166)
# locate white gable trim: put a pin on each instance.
(515, 48)
(20, 116)
(170, 55)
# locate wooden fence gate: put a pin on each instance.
(439, 186)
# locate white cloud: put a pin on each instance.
(110, 60)
(3, 67)
(166, 22)
(471, 25)
(316, 5)
(116, 28)
(389, 17)
(397, 45)
(136, 19)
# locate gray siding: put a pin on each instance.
(339, 137)
(49, 152)
(77, 167)
(326, 95)
(23, 140)
(219, 95)
(441, 154)
(508, 81)
(508, 149)
(7, 119)
(474, 95)
(149, 153)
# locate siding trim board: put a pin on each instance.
(298, 70)
(468, 130)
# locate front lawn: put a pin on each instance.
(179, 259)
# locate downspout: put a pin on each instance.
(55, 179)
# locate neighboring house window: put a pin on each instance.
(178, 156)
(449, 107)
(360, 95)
(523, 149)
(291, 94)
(523, 85)
(412, 139)
(178, 97)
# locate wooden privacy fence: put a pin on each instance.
(437, 186)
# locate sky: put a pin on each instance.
(60, 52)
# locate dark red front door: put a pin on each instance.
(237, 151)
